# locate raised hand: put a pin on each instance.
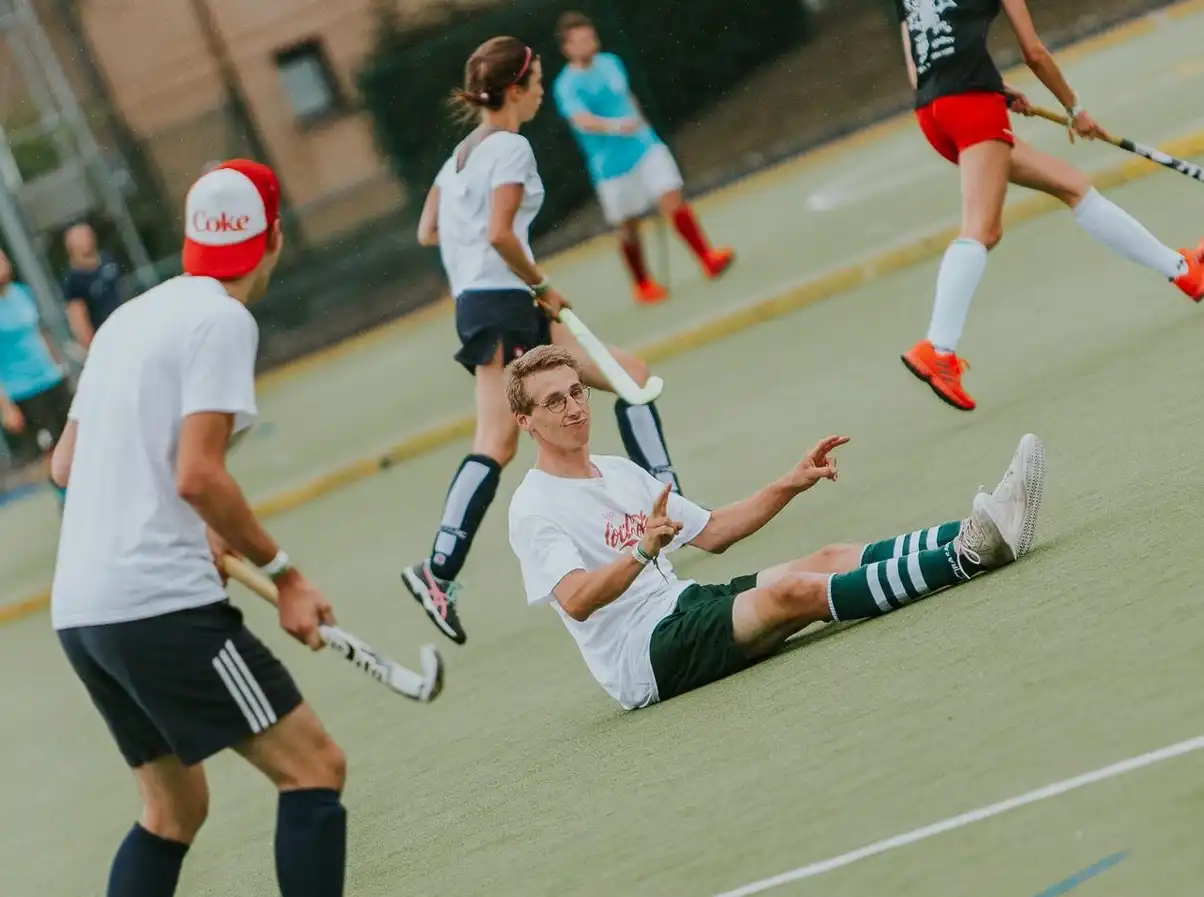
(816, 464)
(660, 529)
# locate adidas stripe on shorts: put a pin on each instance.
(190, 683)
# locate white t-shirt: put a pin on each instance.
(559, 525)
(129, 546)
(465, 201)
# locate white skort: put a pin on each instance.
(635, 193)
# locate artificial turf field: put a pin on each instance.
(524, 779)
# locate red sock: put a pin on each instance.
(691, 232)
(633, 254)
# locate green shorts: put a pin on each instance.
(695, 645)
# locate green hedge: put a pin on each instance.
(681, 58)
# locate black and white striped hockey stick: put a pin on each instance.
(1191, 169)
(424, 686)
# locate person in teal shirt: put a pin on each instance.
(35, 398)
(631, 168)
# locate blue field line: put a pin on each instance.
(1068, 884)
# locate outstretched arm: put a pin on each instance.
(739, 520)
(1035, 54)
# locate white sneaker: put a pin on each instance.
(1016, 501)
(980, 540)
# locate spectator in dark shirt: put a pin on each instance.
(92, 286)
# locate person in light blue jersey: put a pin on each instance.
(631, 168)
(34, 396)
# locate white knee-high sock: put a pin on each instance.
(961, 270)
(1124, 234)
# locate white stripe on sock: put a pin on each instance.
(896, 582)
(899, 543)
(831, 605)
(468, 480)
(930, 538)
(913, 542)
(916, 575)
(871, 578)
(261, 718)
(237, 695)
(251, 681)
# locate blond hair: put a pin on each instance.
(536, 361)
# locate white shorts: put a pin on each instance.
(632, 194)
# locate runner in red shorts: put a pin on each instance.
(962, 107)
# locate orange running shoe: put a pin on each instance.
(649, 293)
(718, 261)
(1192, 283)
(942, 371)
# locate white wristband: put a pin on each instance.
(1072, 111)
(640, 557)
(277, 566)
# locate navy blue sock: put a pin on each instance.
(146, 865)
(468, 498)
(311, 843)
(644, 439)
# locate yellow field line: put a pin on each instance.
(785, 170)
(845, 278)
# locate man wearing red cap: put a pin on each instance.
(138, 601)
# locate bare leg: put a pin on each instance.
(1099, 216)
(644, 286)
(496, 434)
(175, 802)
(175, 798)
(470, 493)
(309, 770)
(984, 181)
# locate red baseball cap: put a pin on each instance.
(227, 216)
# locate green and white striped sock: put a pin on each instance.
(883, 586)
(910, 543)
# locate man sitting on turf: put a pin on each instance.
(591, 534)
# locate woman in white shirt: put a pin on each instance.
(479, 213)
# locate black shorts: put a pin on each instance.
(45, 420)
(190, 683)
(487, 318)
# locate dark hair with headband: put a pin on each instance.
(495, 66)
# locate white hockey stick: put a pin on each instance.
(424, 686)
(624, 386)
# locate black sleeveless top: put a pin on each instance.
(949, 46)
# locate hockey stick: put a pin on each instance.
(1138, 149)
(424, 686)
(625, 387)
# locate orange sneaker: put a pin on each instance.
(1192, 283)
(942, 371)
(649, 293)
(718, 261)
